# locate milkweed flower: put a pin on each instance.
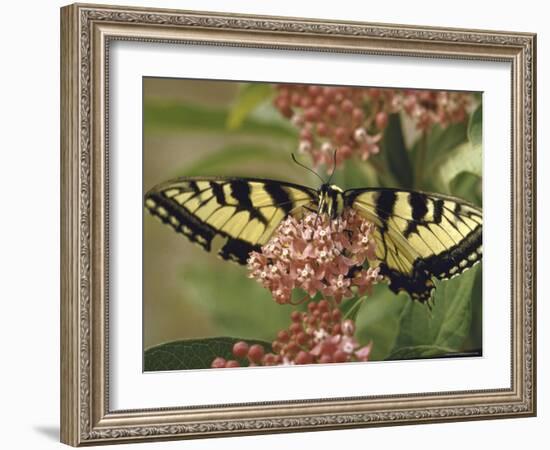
(329, 117)
(353, 119)
(428, 108)
(318, 254)
(319, 336)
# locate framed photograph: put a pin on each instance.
(278, 225)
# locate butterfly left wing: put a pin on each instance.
(420, 235)
(229, 216)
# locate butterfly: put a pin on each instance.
(419, 236)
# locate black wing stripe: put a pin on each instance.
(194, 187)
(238, 250)
(438, 210)
(373, 206)
(279, 196)
(241, 191)
(385, 203)
(186, 223)
(419, 205)
(419, 208)
(217, 190)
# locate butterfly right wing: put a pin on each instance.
(229, 216)
(420, 235)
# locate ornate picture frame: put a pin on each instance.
(87, 32)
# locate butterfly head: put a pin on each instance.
(331, 197)
(331, 200)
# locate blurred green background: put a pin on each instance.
(194, 127)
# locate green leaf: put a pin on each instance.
(378, 320)
(464, 158)
(194, 353)
(163, 116)
(396, 153)
(436, 146)
(441, 140)
(468, 187)
(453, 319)
(250, 96)
(475, 336)
(421, 351)
(448, 324)
(237, 305)
(234, 156)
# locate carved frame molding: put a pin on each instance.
(86, 33)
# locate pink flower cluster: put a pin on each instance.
(318, 336)
(352, 120)
(330, 118)
(317, 254)
(428, 108)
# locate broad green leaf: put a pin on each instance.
(234, 156)
(414, 326)
(464, 158)
(194, 353)
(440, 140)
(397, 156)
(422, 351)
(436, 146)
(429, 351)
(237, 305)
(468, 187)
(177, 117)
(448, 323)
(454, 320)
(378, 320)
(475, 335)
(432, 147)
(250, 96)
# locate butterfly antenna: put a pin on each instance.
(333, 167)
(306, 167)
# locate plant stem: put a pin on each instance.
(354, 309)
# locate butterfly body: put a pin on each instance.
(331, 200)
(418, 235)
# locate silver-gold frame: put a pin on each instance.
(86, 34)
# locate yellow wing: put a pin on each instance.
(420, 235)
(229, 216)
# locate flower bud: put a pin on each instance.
(360, 135)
